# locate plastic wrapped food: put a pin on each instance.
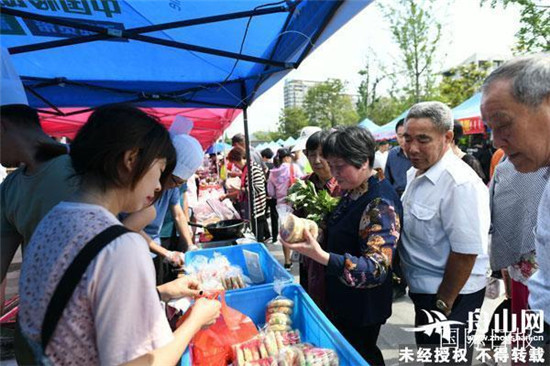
(280, 301)
(292, 356)
(292, 229)
(282, 309)
(321, 357)
(217, 273)
(278, 318)
(278, 314)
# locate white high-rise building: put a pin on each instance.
(295, 92)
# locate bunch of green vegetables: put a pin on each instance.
(303, 196)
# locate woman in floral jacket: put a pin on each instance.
(361, 236)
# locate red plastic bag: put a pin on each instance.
(212, 346)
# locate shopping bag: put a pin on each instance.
(212, 346)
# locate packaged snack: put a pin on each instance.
(278, 312)
(280, 301)
(217, 273)
(321, 357)
(278, 318)
(279, 327)
(271, 343)
(292, 356)
(292, 229)
(282, 309)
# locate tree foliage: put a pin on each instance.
(371, 104)
(368, 88)
(460, 83)
(267, 136)
(327, 106)
(534, 34)
(291, 121)
(417, 34)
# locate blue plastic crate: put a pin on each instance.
(314, 326)
(271, 268)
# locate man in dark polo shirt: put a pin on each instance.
(398, 163)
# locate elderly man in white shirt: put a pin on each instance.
(516, 105)
(445, 226)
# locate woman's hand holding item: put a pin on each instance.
(176, 259)
(310, 248)
(205, 312)
(180, 287)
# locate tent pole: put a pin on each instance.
(253, 221)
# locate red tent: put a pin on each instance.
(209, 123)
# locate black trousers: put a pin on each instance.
(262, 228)
(461, 308)
(362, 338)
(272, 204)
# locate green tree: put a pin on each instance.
(371, 104)
(460, 83)
(371, 76)
(291, 121)
(386, 109)
(267, 136)
(327, 106)
(534, 34)
(417, 34)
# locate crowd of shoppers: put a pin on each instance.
(427, 221)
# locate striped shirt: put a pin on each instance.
(514, 200)
(258, 184)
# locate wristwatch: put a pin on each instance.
(442, 305)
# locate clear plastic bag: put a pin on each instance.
(217, 273)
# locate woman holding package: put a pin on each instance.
(312, 274)
(121, 156)
(361, 238)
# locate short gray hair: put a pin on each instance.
(529, 75)
(439, 113)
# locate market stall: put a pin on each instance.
(469, 115)
(163, 54)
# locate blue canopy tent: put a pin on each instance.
(469, 115)
(368, 124)
(162, 53)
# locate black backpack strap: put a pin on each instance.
(72, 277)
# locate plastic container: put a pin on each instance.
(268, 265)
(313, 325)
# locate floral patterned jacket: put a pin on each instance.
(379, 231)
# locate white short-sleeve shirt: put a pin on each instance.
(445, 209)
(115, 314)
